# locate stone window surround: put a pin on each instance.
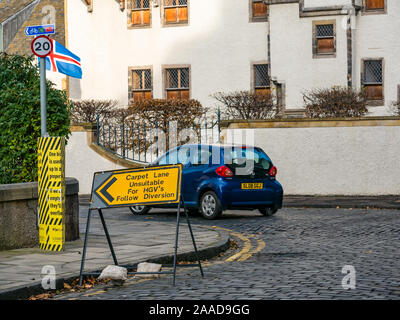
(164, 68)
(374, 103)
(398, 93)
(148, 67)
(364, 11)
(164, 24)
(256, 19)
(252, 82)
(140, 26)
(317, 55)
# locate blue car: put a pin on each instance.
(221, 177)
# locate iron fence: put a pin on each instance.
(145, 142)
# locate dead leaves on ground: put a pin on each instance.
(87, 283)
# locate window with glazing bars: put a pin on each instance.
(374, 5)
(373, 79)
(325, 38)
(261, 79)
(140, 84)
(175, 11)
(140, 10)
(177, 84)
(259, 9)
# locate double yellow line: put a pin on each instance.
(247, 250)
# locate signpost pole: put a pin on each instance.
(43, 97)
(176, 241)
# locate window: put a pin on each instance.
(175, 11)
(259, 10)
(261, 81)
(373, 79)
(140, 13)
(325, 39)
(374, 5)
(177, 83)
(324, 33)
(140, 84)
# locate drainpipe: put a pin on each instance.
(349, 35)
(351, 30)
(274, 82)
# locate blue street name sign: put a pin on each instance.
(40, 30)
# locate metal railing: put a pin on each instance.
(145, 142)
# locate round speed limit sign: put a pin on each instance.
(42, 46)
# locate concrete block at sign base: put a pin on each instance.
(148, 267)
(118, 275)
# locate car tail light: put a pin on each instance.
(273, 171)
(224, 171)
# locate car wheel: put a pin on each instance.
(268, 211)
(139, 210)
(210, 208)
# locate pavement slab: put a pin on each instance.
(134, 241)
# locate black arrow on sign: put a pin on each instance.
(104, 191)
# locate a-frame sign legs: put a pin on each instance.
(194, 242)
(86, 241)
(108, 237)
(180, 204)
(192, 236)
(178, 214)
(84, 247)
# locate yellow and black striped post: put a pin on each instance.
(51, 162)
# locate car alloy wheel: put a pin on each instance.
(139, 210)
(209, 206)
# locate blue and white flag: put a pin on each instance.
(64, 61)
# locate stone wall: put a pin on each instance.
(45, 12)
(328, 156)
(19, 213)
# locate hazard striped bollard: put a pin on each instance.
(51, 164)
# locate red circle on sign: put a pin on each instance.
(38, 51)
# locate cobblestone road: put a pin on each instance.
(305, 251)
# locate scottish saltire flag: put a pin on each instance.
(64, 61)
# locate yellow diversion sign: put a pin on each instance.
(149, 186)
(51, 164)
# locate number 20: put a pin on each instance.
(40, 47)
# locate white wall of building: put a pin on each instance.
(219, 43)
(81, 162)
(333, 160)
(292, 61)
(377, 36)
(326, 3)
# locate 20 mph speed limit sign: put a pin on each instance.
(42, 46)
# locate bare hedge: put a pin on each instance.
(247, 105)
(87, 110)
(335, 102)
(185, 113)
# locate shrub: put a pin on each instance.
(20, 117)
(185, 112)
(87, 110)
(335, 102)
(247, 105)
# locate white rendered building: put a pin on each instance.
(138, 49)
